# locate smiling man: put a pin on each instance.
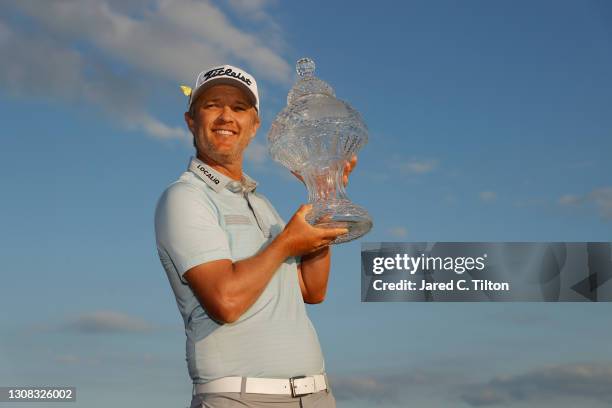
(241, 276)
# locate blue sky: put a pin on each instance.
(489, 121)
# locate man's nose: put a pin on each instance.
(226, 114)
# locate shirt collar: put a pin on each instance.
(218, 181)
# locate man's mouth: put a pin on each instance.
(224, 132)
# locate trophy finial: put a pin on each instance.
(305, 67)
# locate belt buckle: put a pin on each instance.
(292, 386)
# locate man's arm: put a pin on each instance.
(226, 290)
(313, 274)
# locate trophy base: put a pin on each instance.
(341, 214)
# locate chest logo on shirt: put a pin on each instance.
(208, 174)
(237, 219)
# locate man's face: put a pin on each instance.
(224, 122)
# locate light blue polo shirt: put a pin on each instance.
(206, 216)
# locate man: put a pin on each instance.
(239, 274)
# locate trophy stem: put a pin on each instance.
(331, 206)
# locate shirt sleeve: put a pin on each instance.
(187, 228)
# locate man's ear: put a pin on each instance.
(189, 122)
(257, 123)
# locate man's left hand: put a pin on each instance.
(349, 166)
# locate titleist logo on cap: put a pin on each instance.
(226, 72)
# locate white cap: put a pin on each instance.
(229, 75)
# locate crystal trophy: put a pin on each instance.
(314, 136)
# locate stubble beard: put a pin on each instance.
(207, 149)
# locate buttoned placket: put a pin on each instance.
(265, 229)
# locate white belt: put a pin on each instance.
(295, 386)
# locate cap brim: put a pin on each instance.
(224, 81)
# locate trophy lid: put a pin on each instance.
(314, 124)
(307, 83)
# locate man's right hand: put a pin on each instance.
(299, 237)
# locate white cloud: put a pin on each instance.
(109, 53)
(531, 202)
(569, 199)
(487, 196)
(415, 166)
(398, 232)
(253, 8)
(23, 59)
(104, 321)
(601, 198)
(157, 129)
(270, 31)
(44, 68)
(588, 381)
(68, 359)
(221, 35)
(173, 38)
(381, 388)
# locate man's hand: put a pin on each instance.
(349, 166)
(299, 237)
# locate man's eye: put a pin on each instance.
(210, 105)
(239, 108)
